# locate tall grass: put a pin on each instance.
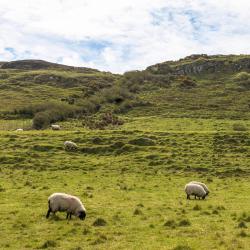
(15, 124)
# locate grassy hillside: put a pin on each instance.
(176, 127)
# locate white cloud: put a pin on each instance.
(135, 33)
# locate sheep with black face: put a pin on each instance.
(61, 202)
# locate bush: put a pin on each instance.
(51, 112)
(242, 76)
(103, 121)
(41, 120)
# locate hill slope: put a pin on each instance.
(196, 86)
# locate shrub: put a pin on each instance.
(41, 120)
(51, 112)
(243, 79)
(187, 82)
(242, 76)
(102, 121)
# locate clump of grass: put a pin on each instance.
(48, 244)
(184, 223)
(197, 207)
(142, 142)
(2, 189)
(101, 239)
(239, 127)
(137, 212)
(242, 234)
(182, 247)
(215, 211)
(99, 222)
(170, 223)
(85, 231)
(242, 224)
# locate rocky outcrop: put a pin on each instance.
(202, 64)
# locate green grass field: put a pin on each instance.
(175, 128)
(133, 179)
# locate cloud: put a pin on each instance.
(118, 35)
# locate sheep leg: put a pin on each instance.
(67, 215)
(195, 196)
(47, 215)
(188, 197)
(70, 216)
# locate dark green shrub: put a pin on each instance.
(41, 120)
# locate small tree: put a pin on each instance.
(41, 120)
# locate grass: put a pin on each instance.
(131, 177)
(133, 194)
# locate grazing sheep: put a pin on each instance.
(201, 184)
(66, 203)
(55, 127)
(196, 190)
(19, 129)
(69, 146)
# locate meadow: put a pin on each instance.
(131, 180)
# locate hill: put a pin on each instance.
(196, 86)
(141, 137)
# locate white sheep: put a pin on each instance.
(69, 146)
(19, 130)
(201, 184)
(66, 203)
(55, 127)
(196, 190)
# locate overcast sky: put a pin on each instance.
(121, 35)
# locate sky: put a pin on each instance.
(121, 35)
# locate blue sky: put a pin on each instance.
(118, 35)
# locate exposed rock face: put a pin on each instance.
(212, 66)
(202, 64)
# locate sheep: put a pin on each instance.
(66, 203)
(55, 127)
(19, 129)
(69, 146)
(196, 190)
(201, 184)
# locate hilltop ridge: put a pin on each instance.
(203, 64)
